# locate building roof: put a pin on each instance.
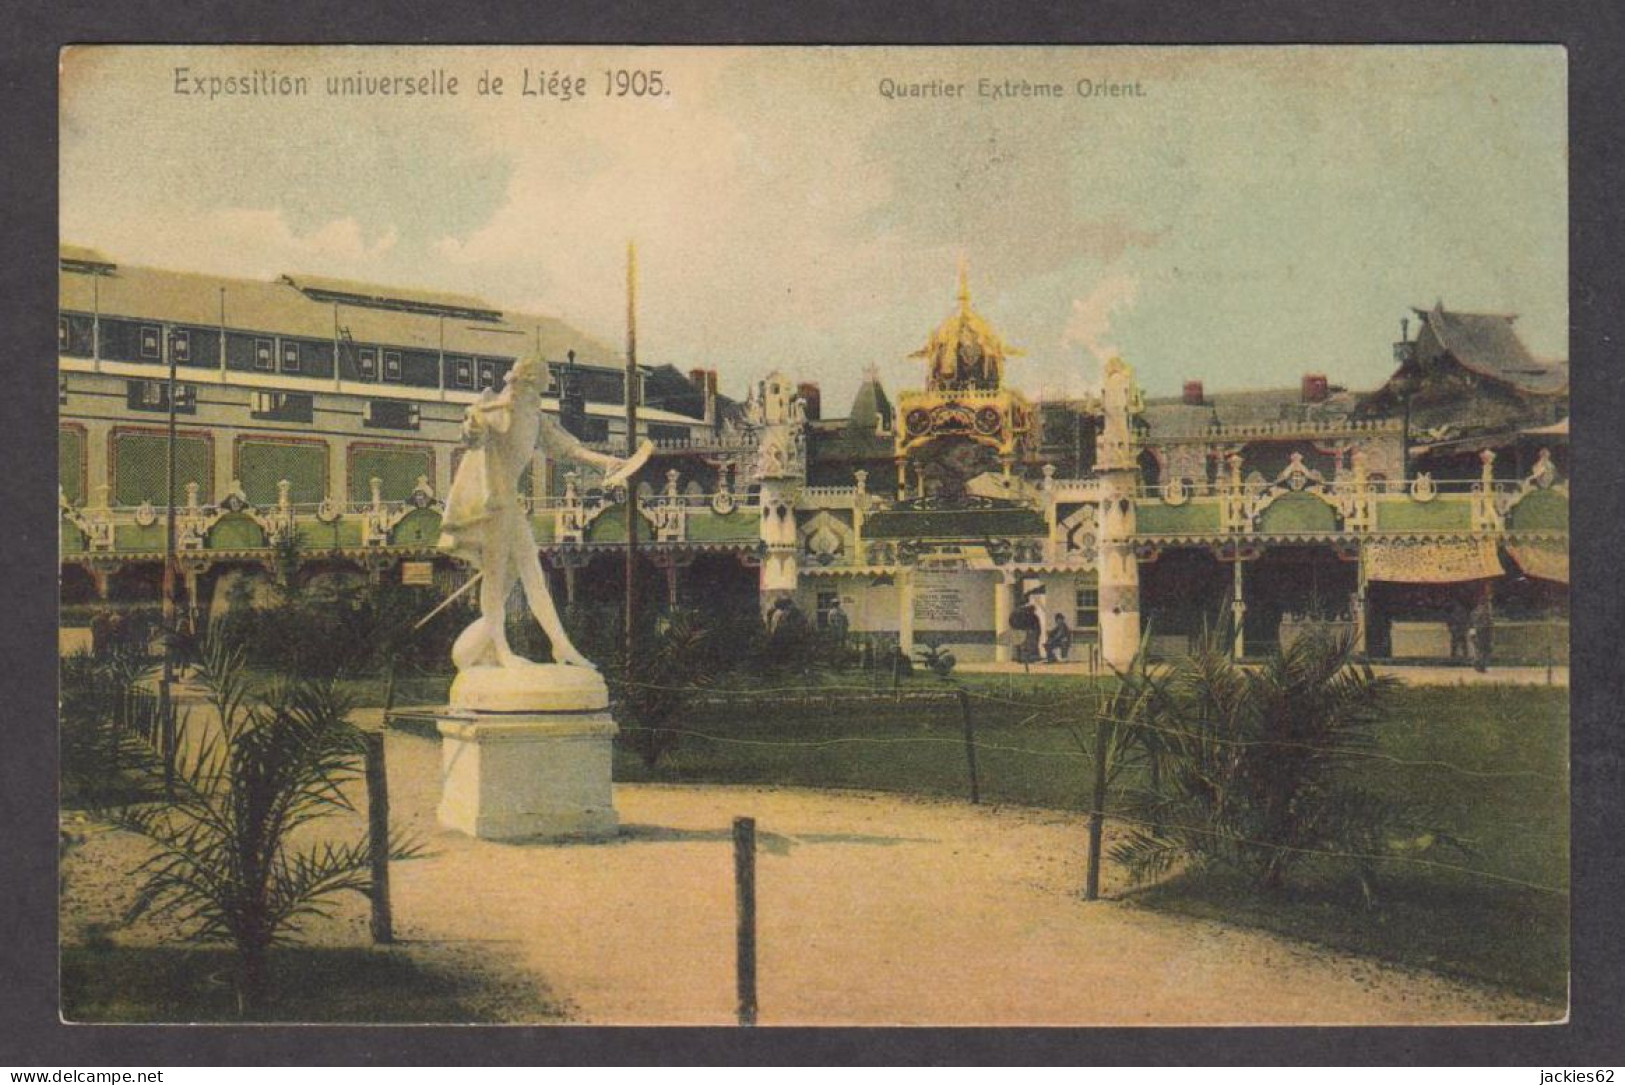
(964, 347)
(299, 306)
(1487, 344)
(434, 302)
(872, 411)
(1171, 416)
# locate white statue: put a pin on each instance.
(485, 522)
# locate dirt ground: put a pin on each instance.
(873, 910)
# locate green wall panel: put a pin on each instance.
(1440, 514)
(610, 526)
(1542, 510)
(140, 463)
(72, 539)
(262, 464)
(1156, 518)
(71, 463)
(1294, 513)
(236, 533)
(398, 468)
(136, 537)
(420, 527)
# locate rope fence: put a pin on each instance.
(764, 708)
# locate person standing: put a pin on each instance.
(1059, 642)
(838, 624)
(1482, 635)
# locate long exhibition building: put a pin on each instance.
(328, 412)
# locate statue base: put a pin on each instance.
(525, 754)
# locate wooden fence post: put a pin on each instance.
(745, 898)
(383, 925)
(1097, 811)
(970, 748)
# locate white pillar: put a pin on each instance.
(1119, 571)
(337, 455)
(1362, 606)
(97, 435)
(1238, 609)
(1001, 618)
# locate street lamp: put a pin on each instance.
(1405, 386)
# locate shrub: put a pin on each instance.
(224, 865)
(1249, 764)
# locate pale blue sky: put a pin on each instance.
(1256, 214)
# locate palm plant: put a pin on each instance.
(651, 691)
(111, 721)
(1251, 764)
(937, 658)
(225, 864)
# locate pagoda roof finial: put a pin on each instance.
(964, 284)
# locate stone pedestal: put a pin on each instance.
(526, 754)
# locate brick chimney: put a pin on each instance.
(808, 391)
(1315, 388)
(1193, 394)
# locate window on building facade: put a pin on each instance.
(390, 414)
(367, 362)
(392, 365)
(290, 357)
(488, 375)
(1088, 609)
(154, 396)
(180, 345)
(463, 373)
(827, 602)
(284, 407)
(263, 355)
(150, 342)
(62, 334)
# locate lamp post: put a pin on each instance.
(631, 448)
(1405, 387)
(166, 703)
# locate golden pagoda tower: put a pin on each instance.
(964, 395)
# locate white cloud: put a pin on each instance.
(1089, 324)
(254, 242)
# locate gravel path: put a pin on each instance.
(874, 910)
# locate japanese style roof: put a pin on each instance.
(1487, 344)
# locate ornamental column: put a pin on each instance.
(1119, 475)
(1001, 617)
(1238, 609)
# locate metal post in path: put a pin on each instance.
(1097, 811)
(745, 896)
(970, 748)
(383, 924)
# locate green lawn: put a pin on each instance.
(1509, 807)
(152, 984)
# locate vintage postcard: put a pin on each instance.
(814, 536)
